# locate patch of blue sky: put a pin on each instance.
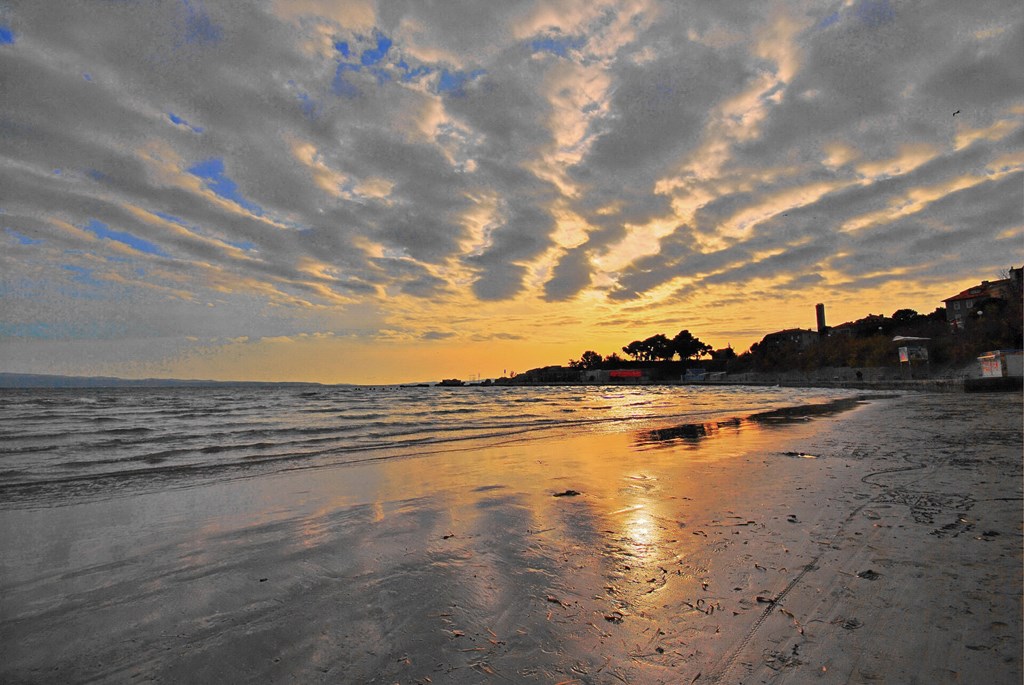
(452, 82)
(374, 55)
(21, 238)
(310, 107)
(173, 219)
(6, 35)
(101, 230)
(178, 121)
(341, 86)
(242, 245)
(409, 74)
(372, 61)
(875, 13)
(81, 274)
(245, 245)
(199, 28)
(558, 46)
(212, 171)
(829, 20)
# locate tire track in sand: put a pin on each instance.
(727, 665)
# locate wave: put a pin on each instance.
(131, 439)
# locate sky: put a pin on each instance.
(407, 190)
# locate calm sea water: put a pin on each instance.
(57, 445)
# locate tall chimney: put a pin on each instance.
(819, 309)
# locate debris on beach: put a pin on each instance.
(869, 575)
(555, 600)
(849, 623)
(777, 660)
(568, 493)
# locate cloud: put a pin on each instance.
(437, 335)
(981, 73)
(193, 169)
(571, 275)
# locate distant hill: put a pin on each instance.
(35, 380)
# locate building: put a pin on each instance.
(965, 303)
(800, 337)
(819, 312)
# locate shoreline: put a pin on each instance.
(947, 384)
(881, 543)
(944, 385)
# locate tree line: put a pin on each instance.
(866, 342)
(658, 347)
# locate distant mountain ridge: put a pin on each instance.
(37, 380)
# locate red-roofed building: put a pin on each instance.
(965, 303)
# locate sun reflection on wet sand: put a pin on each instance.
(457, 563)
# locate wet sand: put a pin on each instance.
(882, 544)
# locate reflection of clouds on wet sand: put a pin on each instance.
(721, 556)
(783, 416)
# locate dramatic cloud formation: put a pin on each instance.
(388, 189)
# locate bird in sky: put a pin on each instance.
(956, 112)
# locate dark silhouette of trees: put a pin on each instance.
(995, 323)
(904, 316)
(637, 350)
(659, 347)
(724, 355)
(589, 360)
(689, 347)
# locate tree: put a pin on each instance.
(637, 350)
(904, 315)
(660, 347)
(689, 347)
(589, 360)
(613, 359)
(725, 354)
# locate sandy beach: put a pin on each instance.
(877, 544)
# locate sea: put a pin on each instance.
(58, 446)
